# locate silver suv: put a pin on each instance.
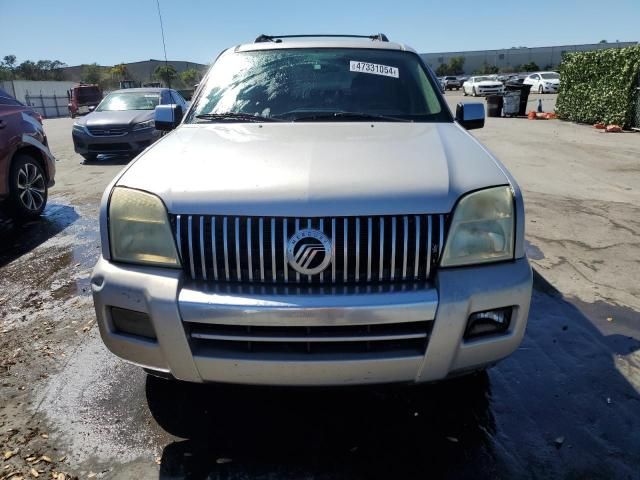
(316, 217)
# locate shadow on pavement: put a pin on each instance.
(17, 239)
(562, 406)
(324, 433)
(109, 159)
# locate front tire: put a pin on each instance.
(28, 190)
(89, 157)
(540, 90)
(474, 92)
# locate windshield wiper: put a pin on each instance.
(353, 115)
(238, 116)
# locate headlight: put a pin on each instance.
(482, 229)
(78, 128)
(139, 230)
(143, 125)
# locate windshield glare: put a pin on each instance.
(550, 76)
(129, 101)
(484, 79)
(296, 83)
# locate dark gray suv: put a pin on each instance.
(123, 122)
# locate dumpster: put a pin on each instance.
(511, 104)
(494, 105)
(524, 95)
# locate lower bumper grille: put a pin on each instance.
(409, 338)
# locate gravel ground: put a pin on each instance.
(565, 405)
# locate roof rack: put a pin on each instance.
(381, 37)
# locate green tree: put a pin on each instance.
(166, 73)
(119, 72)
(91, 73)
(486, 69)
(456, 65)
(529, 67)
(190, 77)
(603, 41)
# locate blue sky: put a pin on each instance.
(112, 31)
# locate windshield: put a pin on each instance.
(88, 94)
(129, 101)
(484, 79)
(550, 76)
(292, 84)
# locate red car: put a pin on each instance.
(27, 167)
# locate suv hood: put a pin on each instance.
(314, 169)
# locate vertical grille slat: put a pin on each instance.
(370, 249)
(393, 248)
(225, 236)
(369, 252)
(190, 233)
(322, 230)
(345, 243)
(428, 246)
(405, 239)
(381, 271)
(261, 246)
(416, 263)
(284, 251)
(249, 252)
(214, 251)
(202, 257)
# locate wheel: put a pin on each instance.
(540, 90)
(27, 187)
(473, 92)
(464, 92)
(89, 157)
(457, 89)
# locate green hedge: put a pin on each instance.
(599, 86)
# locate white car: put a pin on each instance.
(543, 82)
(482, 86)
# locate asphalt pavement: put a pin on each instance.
(565, 405)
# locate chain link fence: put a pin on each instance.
(49, 106)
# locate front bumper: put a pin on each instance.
(173, 306)
(132, 142)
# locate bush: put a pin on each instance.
(599, 86)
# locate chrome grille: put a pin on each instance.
(406, 338)
(115, 131)
(365, 249)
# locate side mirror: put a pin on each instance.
(470, 115)
(167, 117)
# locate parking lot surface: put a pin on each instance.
(565, 405)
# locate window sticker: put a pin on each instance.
(373, 68)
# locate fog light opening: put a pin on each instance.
(489, 322)
(129, 322)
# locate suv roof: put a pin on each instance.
(320, 41)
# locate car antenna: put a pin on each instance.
(164, 47)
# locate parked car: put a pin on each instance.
(318, 217)
(451, 82)
(482, 86)
(83, 99)
(27, 167)
(123, 122)
(544, 82)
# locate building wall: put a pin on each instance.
(20, 88)
(511, 57)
